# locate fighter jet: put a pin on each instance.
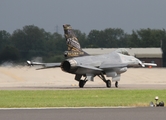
(86, 67)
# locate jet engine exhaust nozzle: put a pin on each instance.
(68, 65)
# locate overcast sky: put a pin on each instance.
(84, 15)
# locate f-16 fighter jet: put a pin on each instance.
(86, 67)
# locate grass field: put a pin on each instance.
(78, 98)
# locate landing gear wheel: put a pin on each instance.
(108, 83)
(82, 83)
(116, 84)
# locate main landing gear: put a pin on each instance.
(108, 82)
(82, 83)
(116, 84)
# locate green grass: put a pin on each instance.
(78, 98)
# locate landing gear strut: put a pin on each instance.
(82, 83)
(108, 82)
(116, 84)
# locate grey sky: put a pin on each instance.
(84, 15)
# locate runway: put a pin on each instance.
(92, 87)
(146, 113)
(21, 77)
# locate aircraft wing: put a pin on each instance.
(107, 66)
(147, 64)
(45, 65)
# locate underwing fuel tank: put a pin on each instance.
(121, 70)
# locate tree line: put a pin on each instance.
(32, 41)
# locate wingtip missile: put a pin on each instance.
(29, 63)
(150, 64)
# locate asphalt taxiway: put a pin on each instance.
(146, 113)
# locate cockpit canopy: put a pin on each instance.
(123, 51)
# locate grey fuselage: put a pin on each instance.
(113, 61)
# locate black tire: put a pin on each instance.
(108, 83)
(116, 84)
(82, 83)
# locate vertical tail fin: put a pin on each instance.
(74, 48)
